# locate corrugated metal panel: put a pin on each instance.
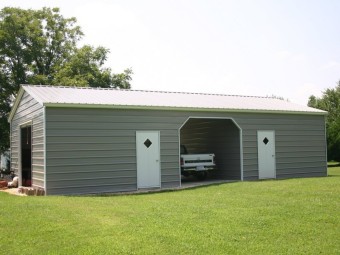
(94, 150)
(102, 159)
(300, 136)
(134, 98)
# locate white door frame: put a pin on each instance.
(157, 158)
(272, 156)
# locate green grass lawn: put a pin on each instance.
(295, 216)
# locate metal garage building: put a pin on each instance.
(71, 140)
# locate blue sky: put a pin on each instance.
(260, 47)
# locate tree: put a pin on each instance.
(85, 68)
(330, 102)
(40, 47)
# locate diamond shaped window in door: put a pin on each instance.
(265, 141)
(147, 143)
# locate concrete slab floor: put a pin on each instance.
(187, 183)
(13, 191)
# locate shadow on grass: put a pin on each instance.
(202, 185)
(333, 175)
(333, 165)
(151, 191)
(333, 169)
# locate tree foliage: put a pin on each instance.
(330, 102)
(40, 47)
(85, 68)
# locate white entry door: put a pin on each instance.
(148, 159)
(266, 154)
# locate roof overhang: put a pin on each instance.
(152, 107)
(16, 104)
(164, 108)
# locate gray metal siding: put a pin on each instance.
(29, 110)
(93, 150)
(300, 144)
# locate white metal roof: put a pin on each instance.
(98, 97)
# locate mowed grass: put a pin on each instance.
(295, 216)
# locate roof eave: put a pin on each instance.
(16, 104)
(139, 107)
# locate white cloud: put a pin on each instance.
(104, 18)
(118, 29)
(331, 65)
(301, 93)
(285, 55)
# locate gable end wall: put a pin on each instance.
(29, 110)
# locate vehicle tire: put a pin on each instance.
(201, 175)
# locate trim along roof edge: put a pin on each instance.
(165, 108)
(21, 92)
(16, 104)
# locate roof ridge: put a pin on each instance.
(151, 91)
